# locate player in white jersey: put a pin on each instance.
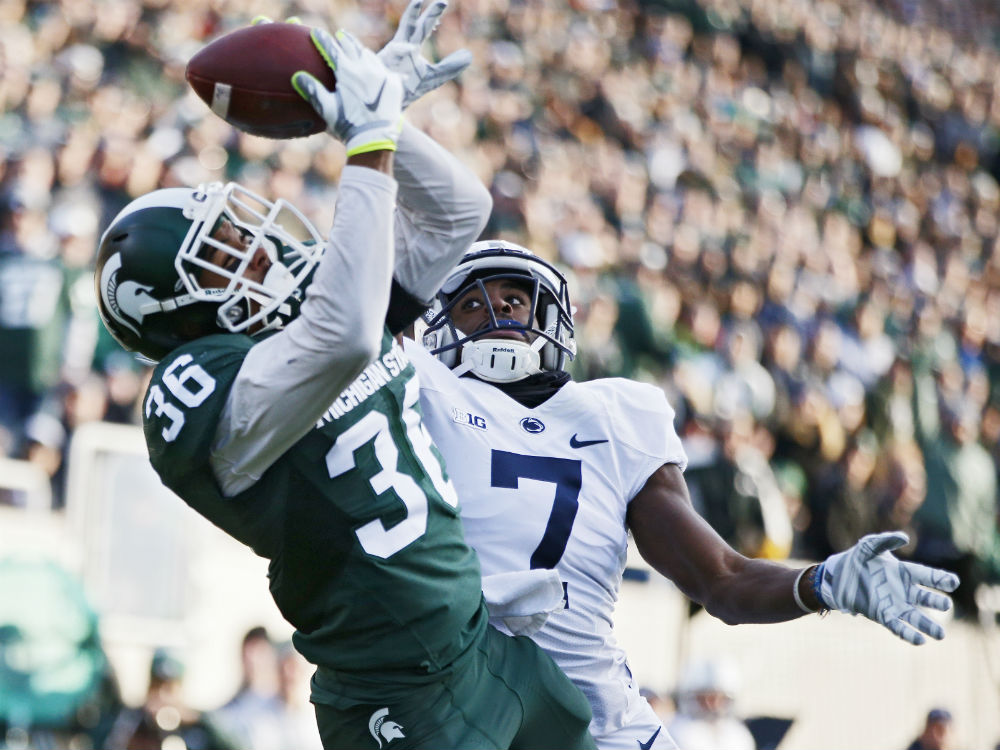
(554, 474)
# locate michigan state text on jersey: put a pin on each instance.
(356, 511)
(282, 411)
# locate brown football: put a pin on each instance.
(245, 77)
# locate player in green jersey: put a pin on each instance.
(289, 417)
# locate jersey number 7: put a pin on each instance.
(566, 474)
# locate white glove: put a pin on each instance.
(867, 580)
(402, 54)
(365, 109)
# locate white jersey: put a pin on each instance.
(549, 488)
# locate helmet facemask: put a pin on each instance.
(247, 305)
(503, 359)
(166, 273)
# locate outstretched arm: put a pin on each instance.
(290, 378)
(865, 579)
(681, 545)
(443, 206)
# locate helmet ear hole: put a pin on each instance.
(236, 314)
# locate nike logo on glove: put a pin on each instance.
(574, 443)
(373, 104)
(649, 743)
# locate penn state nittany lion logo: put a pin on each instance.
(124, 301)
(532, 425)
(381, 727)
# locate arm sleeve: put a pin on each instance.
(443, 208)
(289, 379)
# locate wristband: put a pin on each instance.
(795, 593)
(818, 588)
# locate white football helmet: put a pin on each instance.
(503, 360)
(718, 678)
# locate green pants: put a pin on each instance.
(502, 693)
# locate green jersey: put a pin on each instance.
(367, 557)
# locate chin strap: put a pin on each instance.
(501, 360)
(279, 281)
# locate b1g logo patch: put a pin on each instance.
(468, 419)
(532, 425)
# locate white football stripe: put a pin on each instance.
(221, 95)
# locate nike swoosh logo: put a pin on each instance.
(649, 743)
(373, 104)
(574, 443)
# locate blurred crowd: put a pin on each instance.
(703, 712)
(270, 710)
(60, 690)
(784, 212)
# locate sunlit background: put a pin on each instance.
(786, 213)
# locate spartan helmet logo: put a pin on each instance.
(380, 727)
(125, 301)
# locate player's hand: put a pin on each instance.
(365, 109)
(402, 53)
(869, 580)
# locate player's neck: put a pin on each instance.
(535, 390)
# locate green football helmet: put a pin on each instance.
(157, 252)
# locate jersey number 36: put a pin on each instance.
(190, 384)
(375, 538)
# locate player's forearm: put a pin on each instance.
(435, 184)
(731, 587)
(443, 209)
(681, 545)
(758, 591)
(289, 380)
(346, 303)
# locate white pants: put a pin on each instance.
(642, 726)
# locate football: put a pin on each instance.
(245, 77)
